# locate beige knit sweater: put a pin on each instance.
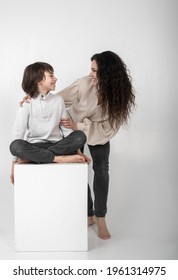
(82, 106)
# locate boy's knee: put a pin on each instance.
(81, 137)
(14, 146)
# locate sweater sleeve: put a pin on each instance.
(98, 133)
(21, 123)
(70, 94)
(65, 131)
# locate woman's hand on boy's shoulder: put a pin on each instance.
(26, 99)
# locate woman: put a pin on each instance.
(99, 105)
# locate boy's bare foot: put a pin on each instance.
(69, 159)
(22, 160)
(87, 159)
(103, 231)
(91, 220)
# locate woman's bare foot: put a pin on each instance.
(91, 220)
(103, 231)
(69, 159)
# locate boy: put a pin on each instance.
(39, 120)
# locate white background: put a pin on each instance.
(143, 163)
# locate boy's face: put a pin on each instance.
(48, 83)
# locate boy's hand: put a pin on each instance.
(12, 178)
(12, 172)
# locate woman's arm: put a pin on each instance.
(66, 122)
(66, 130)
(70, 94)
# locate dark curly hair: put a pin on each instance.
(33, 74)
(114, 87)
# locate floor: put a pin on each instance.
(122, 248)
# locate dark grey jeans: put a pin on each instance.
(44, 152)
(100, 157)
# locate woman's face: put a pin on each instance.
(93, 72)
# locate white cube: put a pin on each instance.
(50, 203)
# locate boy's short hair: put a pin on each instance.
(33, 74)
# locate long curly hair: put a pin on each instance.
(114, 87)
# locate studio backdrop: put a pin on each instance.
(66, 34)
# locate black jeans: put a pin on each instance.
(44, 152)
(100, 157)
